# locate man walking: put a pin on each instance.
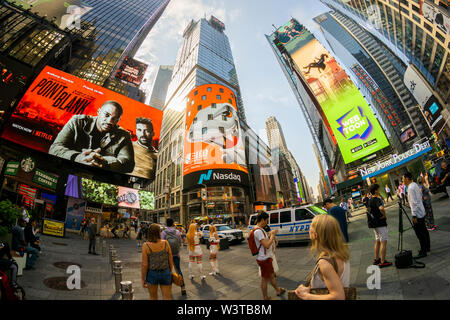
(376, 220)
(264, 259)
(418, 214)
(339, 213)
(92, 234)
(173, 236)
(388, 193)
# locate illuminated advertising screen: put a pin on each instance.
(67, 12)
(128, 198)
(100, 192)
(352, 122)
(407, 135)
(214, 148)
(131, 71)
(264, 184)
(76, 120)
(146, 200)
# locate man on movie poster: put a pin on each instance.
(144, 152)
(97, 141)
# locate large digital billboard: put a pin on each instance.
(214, 147)
(131, 71)
(74, 119)
(352, 122)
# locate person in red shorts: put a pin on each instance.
(264, 242)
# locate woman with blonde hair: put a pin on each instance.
(332, 270)
(157, 264)
(195, 251)
(213, 250)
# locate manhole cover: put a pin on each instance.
(65, 264)
(60, 243)
(133, 264)
(59, 283)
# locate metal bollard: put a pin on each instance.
(104, 248)
(113, 258)
(126, 290)
(118, 274)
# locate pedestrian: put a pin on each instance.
(139, 236)
(350, 205)
(418, 213)
(92, 235)
(157, 264)
(388, 193)
(401, 192)
(264, 258)
(135, 226)
(114, 231)
(445, 177)
(82, 227)
(7, 263)
(366, 199)
(195, 251)
(332, 269)
(377, 220)
(339, 213)
(20, 245)
(173, 237)
(426, 200)
(344, 205)
(214, 246)
(30, 235)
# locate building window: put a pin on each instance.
(218, 97)
(203, 97)
(195, 120)
(428, 27)
(195, 93)
(213, 105)
(204, 130)
(209, 89)
(416, 18)
(440, 37)
(416, 9)
(210, 117)
(221, 130)
(199, 108)
(224, 117)
(220, 90)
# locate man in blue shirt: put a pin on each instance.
(338, 213)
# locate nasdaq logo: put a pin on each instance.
(205, 177)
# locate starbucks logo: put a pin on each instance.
(27, 164)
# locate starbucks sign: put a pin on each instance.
(27, 164)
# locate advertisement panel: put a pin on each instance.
(434, 115)
(417, 86)
(75, 213)
(355, 127)
(435, 16)
(214, 148)
(100, 192)
(147, 200)
(68, 13)
(407, 135)
(264, 184)
(53, 228)
(128, 198)
(131, 71)
(71, 118)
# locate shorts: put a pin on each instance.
(163, 277)
(197, 252)
(381, 233)
(213, 249)
(266, 267)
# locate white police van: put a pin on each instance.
(292, 223)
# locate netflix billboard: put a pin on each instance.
(74, 119)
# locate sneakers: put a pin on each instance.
(212, 273)
(202, 277)
(376, 261)
(183, 291)
(282, 290)
(385, 264)
(421, 255)
(191, 277)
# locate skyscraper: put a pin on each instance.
(119, 27)
(379, 74)
(415, 30)
(204, 58)
(160, 86)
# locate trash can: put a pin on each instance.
(224, 244)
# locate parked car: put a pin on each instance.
(292, 223)
(224, 231)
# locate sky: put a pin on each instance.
(264, 87)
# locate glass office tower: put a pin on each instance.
(160, 86)
(119, 28)
(379, 75)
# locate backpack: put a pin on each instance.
(9, 292)
(252, 243)
(174, 242)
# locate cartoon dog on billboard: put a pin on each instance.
(219, 125)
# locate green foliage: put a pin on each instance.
(8, 216)
(147, 200)
(100, 192)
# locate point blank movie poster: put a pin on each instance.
(74, 119)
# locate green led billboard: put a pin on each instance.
(352, 122)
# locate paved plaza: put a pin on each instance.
(239, 274)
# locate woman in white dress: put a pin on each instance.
(213, 250)
(332, 270)
(195, 251)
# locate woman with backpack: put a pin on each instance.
(157, 264)
(332, 269)
(213, 250)
(195, 251)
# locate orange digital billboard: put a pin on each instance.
(214, 146)
(74, 119)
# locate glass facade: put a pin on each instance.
(159, 91)
(117, 27)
